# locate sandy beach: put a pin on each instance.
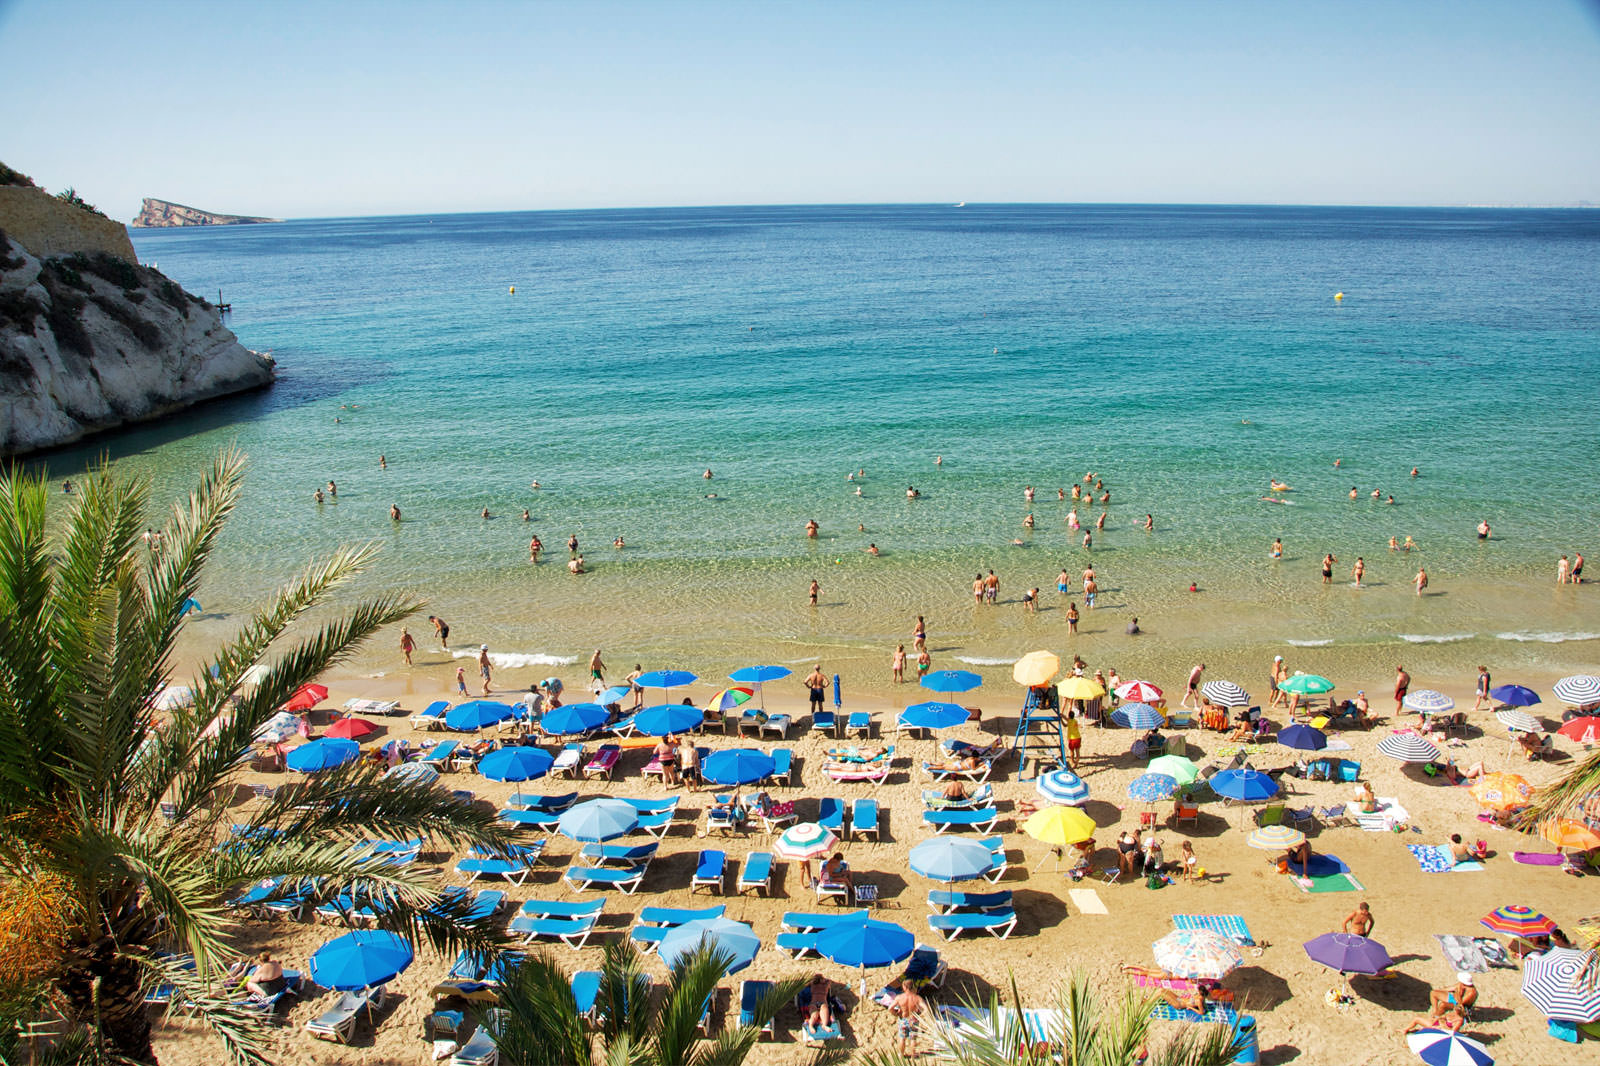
(1278, 984)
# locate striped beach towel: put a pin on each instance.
(1229, 925)
(1215, 1012)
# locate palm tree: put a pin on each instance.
(1088, 1028)
(536, 1019)
(114, 817)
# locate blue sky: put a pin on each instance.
(352, 108)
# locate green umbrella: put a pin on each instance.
(1306, 685)
(1176, 767)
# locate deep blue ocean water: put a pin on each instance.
(1184, 354)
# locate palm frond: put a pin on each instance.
(734, 1044)
(693, 980)
(27, 673)
(1565, 798)
(237, 1025)
(540, 1021)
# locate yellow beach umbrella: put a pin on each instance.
(1079, 688)
(1567, 833)
(1059, 826)
(1036, 668)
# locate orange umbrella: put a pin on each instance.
(1567, 833)
(1502, 791)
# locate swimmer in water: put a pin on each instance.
(1414, 471)
(1358, 571)
(1394, 545)
(1353, 493)
(1277, 548)
(533, 484)
(394, 511)
(1100, 523)
(535, 546)
(1027, 520)
(1061, 494)
(1389, 501)
(938, 460)
(811, 528)
(486, 512)
(872, 549)
(814, 592)
(858, 490)
(1408, 545)
(1337, 462)
(1149, 524)
(707, 474)
(1077, 493)
(333, 490)
(318, 495)
(618, 544)
(1063, 582)
(1027, 493)
(525, 516)
(1376, 494)
(383, 464)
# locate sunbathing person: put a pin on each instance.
(1462, 852)
(1460, 998)
(835, 871)
(1194, 999)
(1300, 853)
(819, 1015)
(1365, 801)
(960, 764)
(854, 754)
(267, 979)
(954, 790)
(1451, 1021)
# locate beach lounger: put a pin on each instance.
(830, 814)
(751, 994)
(722, 815)
(479, 1051)
(626, 854)
(338, 1023)
(604, 762)
(782, 766)
(873, 773)
(650, 806)
(533, 801)
(514, 870)
(859, 724)
(670, 916)
(946, 902)
(816, 1035)
(775, 723)
(349, 907)
(1229, 925)
(1332, 816)
(567, 761)
(798, 945)
(546, 820)
(777, 816)
(623, 727)
(1218, 1013)
(585, 992)
(863, 818)
(995, 923)
(166, 994)
(816, 921)
(934, 799)
(944, 771)
(831, 890)
(982, 819)
(291, 904)
(365, 708)
(627, 878)
(997, 848)
(440, 754)
(710, 870)
(561, 908)
(757, 872)
(654, 768)
(825, 721)
(925, 966)
(852, 753)
(432, 716)
(657, 824)
(573, 932)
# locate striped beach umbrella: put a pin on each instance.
(1517, 920)
(1063, 786)
(730, 697)
(1562, 983)
(419, 772)
(1440, 1047)
(1408, 747)
(1515, 695)
(1198, 954)
(1585, 730)
(1502, 791)
(1152, 787)
(1306, 685)
(1519, 721)
(1139, 692)
(1275, 838)
(806, 840)
(1579, 690)
(1138, 716)
(1427, 701)
(1225, 694)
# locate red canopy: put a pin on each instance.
(306, 697)
(351, 728)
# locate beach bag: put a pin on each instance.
(1155, 881)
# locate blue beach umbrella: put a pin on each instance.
(1302, 738)
(951, 859)
(420, 772)
(574, 718)
(667, 679)
(515, 764)
(758, 676)
(598, 819)
(614, 694)
(323, 754)
(1138, 716)
(736, 766)
(837, 702)
(362, 959)
(951, 681)
(475, 714)
(933, 715)
(864, 943)
(1244, 784)
(1515, 695)
(668, 718)
(1063, 786)
(724, 934)
(1152, 787)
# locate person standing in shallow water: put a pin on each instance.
(815, 591)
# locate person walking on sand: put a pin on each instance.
(1279, 674)
(441, 627)
(1194, 683)
(1074, 740)
(1327, 568)
(632, 681)
(407, 645)
(597, 668)
(1402, 685)
(484, 669)
(1360, 921)
(907, 1008)
(1358, 570)
(1482, 691)
(1421, 580)
(897, 664)
(814, 592)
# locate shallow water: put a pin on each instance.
(1186, 355)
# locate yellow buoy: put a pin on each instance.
(1337, 296)
(514, 290)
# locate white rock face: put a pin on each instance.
(82, 350)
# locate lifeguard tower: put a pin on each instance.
(1041, 738)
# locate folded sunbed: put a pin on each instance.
(585, 990)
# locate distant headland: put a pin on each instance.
(158, 214)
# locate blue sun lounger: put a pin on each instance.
(440, 754)
(782, 766)
(944, 902)
(826, 721)
(432, 716)
(512, 863)
(710, 870)
(798, 945)
(996, 923)
(817, 1034)
(863, 818)
(627, 878)
(573, 932)
(585, 991)
(292, 984)
(757, 872)
(656, 824)
(816, 921)
(547, 820)
(630, 855)
(534, 801)
(830, 814)
(651, 806)
(291, 904)
(750, 995)
(982, 819)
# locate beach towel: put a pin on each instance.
(1324, 866)
(1462, 953)
(1536, 858)
(1342, 881)
(1087, 900)
(1388, 815)
(1231, 926)
(1436, 859)
(1493, 952)
(1215, 1012)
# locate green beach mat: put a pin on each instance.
(1340, 882)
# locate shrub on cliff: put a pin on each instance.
(15, 177)
(70, 195)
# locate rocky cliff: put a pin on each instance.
(90, 342)
(155, 214)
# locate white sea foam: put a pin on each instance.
(511, 660)
(1310, 643)
(1429, 638)
(978, 660)
(1548, 638)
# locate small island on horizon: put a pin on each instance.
(161, 214)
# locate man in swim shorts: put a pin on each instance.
(1194, 682)
(441, 627)
(597, 669)
(1402, 684)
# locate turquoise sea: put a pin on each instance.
(1186, 355)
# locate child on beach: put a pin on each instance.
(461, 681)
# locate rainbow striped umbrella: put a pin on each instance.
(1518, 921)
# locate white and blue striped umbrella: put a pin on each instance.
(1064, 787)
(1152, 787)
(1427, 701)
(1436, 1047)
(1225, 694)
(1519, 721)
(1554, 982)
(1408, 747)
(1138, 716)
(1579, 690)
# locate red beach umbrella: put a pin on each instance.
(1585, 730)
(306, 697)
(351, 728)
